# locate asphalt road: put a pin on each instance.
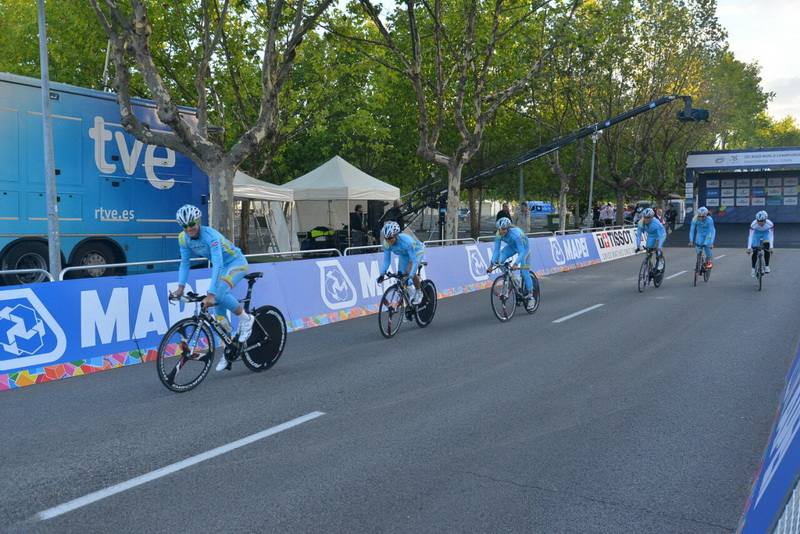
(648, 414)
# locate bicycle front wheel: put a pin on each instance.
(760, 271)
(267, 341)
(391, 311)
(427, 308)
(504, 298)
(644, 275)
(185, 355)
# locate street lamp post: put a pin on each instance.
(53, 240)
(595, 136)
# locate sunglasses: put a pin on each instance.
(190, 225)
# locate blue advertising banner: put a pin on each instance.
(55, 330)
(779, 469)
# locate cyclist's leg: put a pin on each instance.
(753, 258)
(417, 279)
(524, 269)
(709, 252)
(227, 281)
(766, 254)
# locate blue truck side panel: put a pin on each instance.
(110, 186)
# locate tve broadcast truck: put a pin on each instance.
(116, 196)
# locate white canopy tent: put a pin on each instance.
(273, 210)
(324, 196)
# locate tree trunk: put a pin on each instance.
(474, 221)
(562, 205)
(221, 181)
(453, 200)
(620, 206)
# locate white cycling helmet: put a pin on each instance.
(503, 222)
(702, 211)
(761, 215)
(188, 214)
(390, 229)
(648, 213)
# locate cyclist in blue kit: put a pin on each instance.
(702, 234)
(228, 267)
(409, 251)
(516, 243)
(656, 235)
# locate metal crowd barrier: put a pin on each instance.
(362, 247)
(128, 264)
(446, 241)
(25, 271)
(294, 253)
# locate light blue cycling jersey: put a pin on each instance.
(702, 232)
(516, 243)
(211, 245)
(408, 249)
(760, 233)
(656, 234)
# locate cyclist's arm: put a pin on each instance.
(387, 260)
(750, 237)
(712, 233)
(183, 272)
(521, 244)
(661, 233)
(638, 235)
(692, 230)
(771, 237)
(215, 248)
(496, 253)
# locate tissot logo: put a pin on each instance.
(614, 239)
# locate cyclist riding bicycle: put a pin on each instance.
(762, 232)
(409, 251)
(228, 267)
(656, 235)
(516, 243)
(702, 233)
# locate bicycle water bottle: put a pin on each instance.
(517, 275)
(226, 324)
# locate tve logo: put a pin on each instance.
(477, 267)
(129, 156)
(29, 335)
(336, 288)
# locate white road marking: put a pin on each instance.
(674, 275)
(172, 468)
(577, 313)
(721, 256)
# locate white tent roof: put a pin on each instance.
(339, 180)
(245, 186)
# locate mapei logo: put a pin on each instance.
(336, 288)
(556, 252)
(477, 267)
(29, 335)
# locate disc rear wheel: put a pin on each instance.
(265, 345)
(427, 307)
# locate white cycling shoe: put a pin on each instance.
(245, 327)
(766, 268)
(753, 273)
(223, 364)
(417, 298)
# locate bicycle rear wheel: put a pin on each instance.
(185, 355)
(427, 308)
(391, 311)
(644, 275)
(706, 273)
(697, 268)
(267, 341)
(503, 298)
(658, 277)
(537, 295)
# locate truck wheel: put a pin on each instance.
(94, 253)
(25, 255)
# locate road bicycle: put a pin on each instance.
(187, 350)
(396, 307)
(759, 264)
(648, 271)
(507, 292)
(700, 268)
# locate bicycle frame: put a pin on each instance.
(506, 271)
